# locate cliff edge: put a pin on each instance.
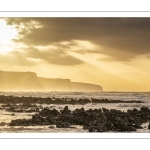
(30, 81)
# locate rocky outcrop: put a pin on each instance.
(30, 81)
(27, 102)
(93, 120)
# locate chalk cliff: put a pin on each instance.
(30, 81)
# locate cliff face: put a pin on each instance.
(77, 86)
(30, 81)
(19, 81)
(55, 84)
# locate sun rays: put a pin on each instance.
(7, 33)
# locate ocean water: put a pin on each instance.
(6, 116)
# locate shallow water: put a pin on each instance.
(143, 96)
(6, 116)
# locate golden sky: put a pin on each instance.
(111, 52)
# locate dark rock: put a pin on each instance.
(52, 127)
(12, 114)
(83, 101)
(48, 112)
(54, 112)
(62, 125)
(149, 125)
(65, 111)
(144, 109)
(3, 123)
(105, 110)
(97, 120)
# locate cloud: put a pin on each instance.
(120, 38)
(53, 56)
(16, 58)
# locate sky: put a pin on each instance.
(111, 52)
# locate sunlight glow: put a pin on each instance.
(7, 33)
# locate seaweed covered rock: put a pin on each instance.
(48, 112)
(3, 123)
(65, 111)
(62, 125)
(20, 122)
(83, 101)
(100, 125)
(144, 109)
(149, 125)
(93, 120)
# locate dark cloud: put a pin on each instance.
(120, 38)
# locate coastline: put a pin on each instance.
(20, 109)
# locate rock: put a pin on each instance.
(62, 125)
(37, 119)
(83, 101)
(65, 111)
(3, 123)
(92, 129)
(149, 125)
(52, 127)
(92, 120)
(12, 114)
(105, 110)
(44, 112)
(138, 123)
(78, 111)
(48, 112)
(85, 127)
(54, 112)
(101, 127)
(19, 122)
(144, 109)
(50, 120)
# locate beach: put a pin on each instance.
(29, 106)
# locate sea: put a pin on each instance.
(6, 116)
